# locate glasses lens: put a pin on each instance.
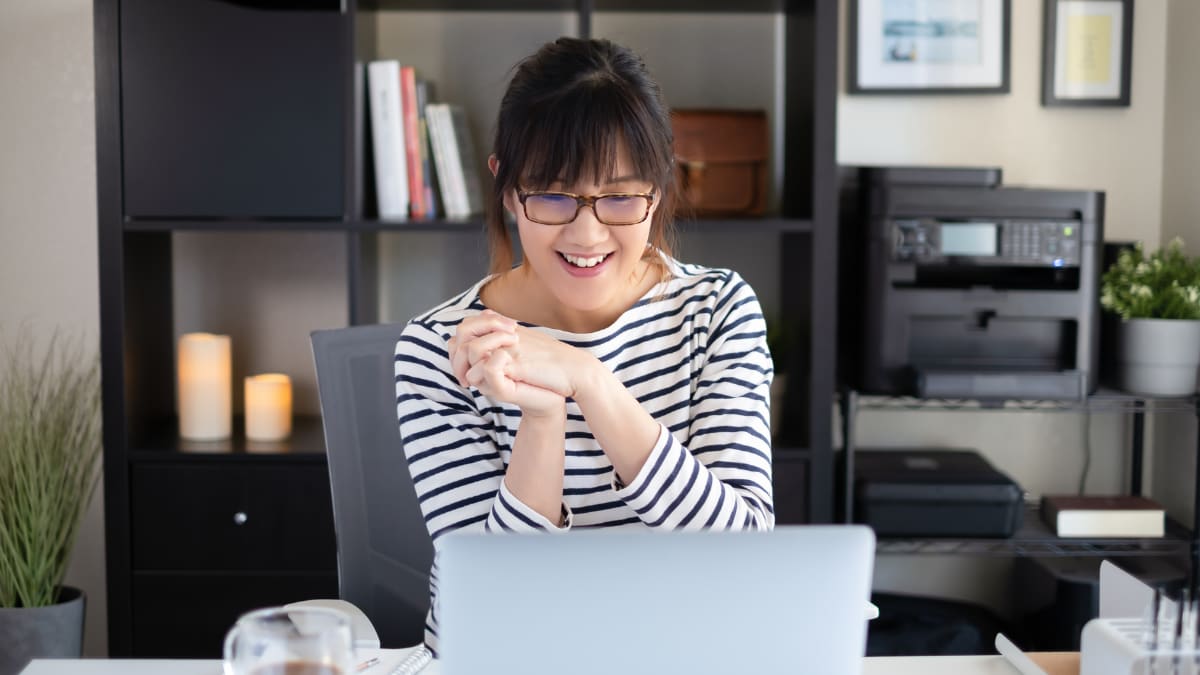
(622, 209)
(553, 209)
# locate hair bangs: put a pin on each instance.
(581, 136)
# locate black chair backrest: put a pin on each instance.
(384, 552)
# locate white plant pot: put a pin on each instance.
(1160, 357)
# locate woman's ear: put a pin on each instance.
(494, 166)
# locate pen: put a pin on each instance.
(367, 664)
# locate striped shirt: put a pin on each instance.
(692, 350)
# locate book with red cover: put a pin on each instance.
(1103, 516)
(412, 147)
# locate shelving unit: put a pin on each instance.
(1034, 538)
(225, 123)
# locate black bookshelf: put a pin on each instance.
(197, 133)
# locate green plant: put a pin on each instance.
(1164, 285)
(50, 448)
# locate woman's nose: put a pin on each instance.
(586, 229)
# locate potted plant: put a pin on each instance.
(50, 447)
(1158, 300)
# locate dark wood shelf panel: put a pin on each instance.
(161, 442)
(766, 224)
(476, 224)
(226, 225)
(472, 5)
(699, 6)
(692, 6)
(1035, 539)
(240, 574)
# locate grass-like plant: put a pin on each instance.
(50, 446)
(1163, 285)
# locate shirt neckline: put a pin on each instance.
(673, 266)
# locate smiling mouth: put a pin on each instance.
(584, 262)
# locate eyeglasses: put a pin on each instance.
(560, 208)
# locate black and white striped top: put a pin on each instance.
(693, 351)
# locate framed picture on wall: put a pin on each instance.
(928, 46)
(1087, 52)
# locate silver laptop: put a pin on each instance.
(787, 601)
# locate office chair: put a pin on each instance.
(384, 552)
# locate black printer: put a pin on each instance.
(921, 492)
(956, 286)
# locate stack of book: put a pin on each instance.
(425, 160)
(1103, 516)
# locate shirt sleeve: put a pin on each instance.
(722, 478)
(451, 448)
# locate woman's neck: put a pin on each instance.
(521, 295)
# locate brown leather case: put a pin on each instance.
(721, 159)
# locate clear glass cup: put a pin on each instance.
(290, 641)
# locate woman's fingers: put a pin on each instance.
(488, 375)
(465, 354)
(483, 323)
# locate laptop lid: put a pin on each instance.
(609, 601)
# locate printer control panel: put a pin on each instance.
(1018, 242)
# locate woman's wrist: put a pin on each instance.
(546, 417)
(589, 377)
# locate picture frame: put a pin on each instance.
(928, 46)
(1087, 52)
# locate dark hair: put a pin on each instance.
(567, 111)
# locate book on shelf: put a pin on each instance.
(433, 207)
(387, 138)
(1103, 516)
(454, 160)
(412, 143)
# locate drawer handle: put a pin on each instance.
(240, 518)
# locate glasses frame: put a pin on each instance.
(588, 201)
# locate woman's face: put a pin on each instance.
(586, 265)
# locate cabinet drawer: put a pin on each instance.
(187, 616)
(234, 109)
(231, 517)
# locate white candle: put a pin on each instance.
(205, 385)
(268, 407)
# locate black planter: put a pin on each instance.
(53, 632)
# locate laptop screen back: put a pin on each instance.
(785, 601)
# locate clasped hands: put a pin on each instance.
(510, 363)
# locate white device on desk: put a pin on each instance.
(1137, 632)
(656, 602)
(1134, 634)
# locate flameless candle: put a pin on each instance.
(268, 407)
(205, 386)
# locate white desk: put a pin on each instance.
(887, 665)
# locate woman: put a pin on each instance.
(600, 382)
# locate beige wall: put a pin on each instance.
(1173, 470)
(48, 270)
(1118, 150)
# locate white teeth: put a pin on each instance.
(585, 262)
